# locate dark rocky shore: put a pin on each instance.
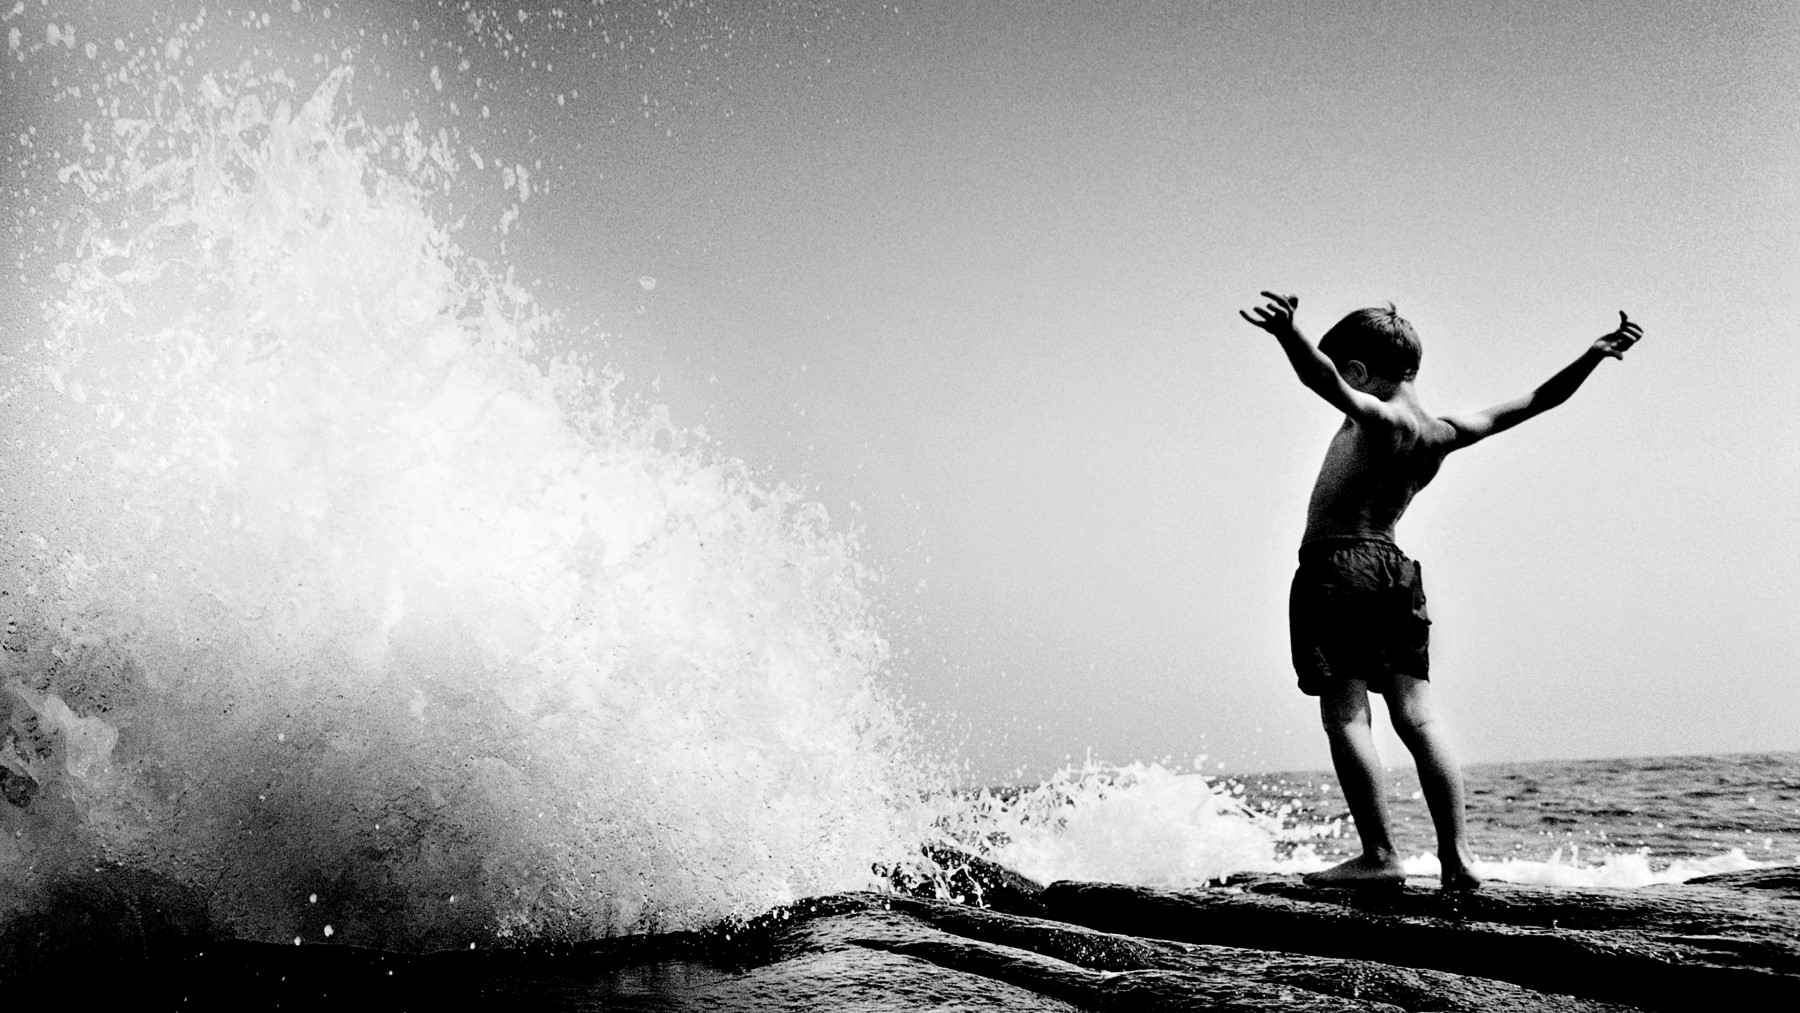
(1251, 943)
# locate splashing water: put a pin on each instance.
(1140, 823)
(324, 579)
(333, 593)
(1630, 869)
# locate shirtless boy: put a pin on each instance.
(1356, 614)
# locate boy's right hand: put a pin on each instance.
(1278, 316)
(1618, 342)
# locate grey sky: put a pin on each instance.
(971, 271)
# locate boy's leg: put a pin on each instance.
(1344, 708)
(1409, 705)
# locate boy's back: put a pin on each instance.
(1372, 472)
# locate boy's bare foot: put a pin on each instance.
(1361, 871)
(1458, 879)
(1458, 872)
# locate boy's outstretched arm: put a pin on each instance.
(1477, 426)
(1313, 368)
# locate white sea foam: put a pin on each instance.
(1141, 823)
(324, 580)
(1610, 869)
(1627, 869)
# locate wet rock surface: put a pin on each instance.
(1251, 943)
(1658, 948)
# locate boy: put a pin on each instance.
(1357, 609)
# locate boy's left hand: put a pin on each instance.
(1278, 316)
(1620, 341)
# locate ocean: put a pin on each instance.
(348, 596)
(1591, 821)
(1621, 822)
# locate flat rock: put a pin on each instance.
(1783, 880)
(1655, 948)
(1252, 943)
(864, 951)
(1112, 971)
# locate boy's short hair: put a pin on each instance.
(1378, 336)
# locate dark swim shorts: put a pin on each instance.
(1357, 611)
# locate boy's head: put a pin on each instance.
(1379, 338)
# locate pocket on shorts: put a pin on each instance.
(1418, 594)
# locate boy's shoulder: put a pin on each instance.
(1435, 429)
(1410, 422)
(1415, 442)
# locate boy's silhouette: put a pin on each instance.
(1356, 614)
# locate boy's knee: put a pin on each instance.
(1342, 731)
(1409, 711)
(1339, 712)
(1409, 707)
(1417, 727)
(1413, 727)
